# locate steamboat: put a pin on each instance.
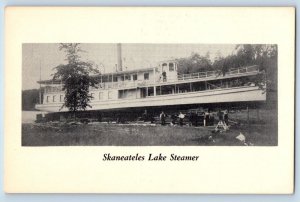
(159, 88)
(162, 88)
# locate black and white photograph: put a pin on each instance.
(149, 100)
(149, 94)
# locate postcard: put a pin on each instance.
(149, 100)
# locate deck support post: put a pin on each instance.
(40, 95)
(154, 81)
(248, 121)
(40, 91)
(175, 90)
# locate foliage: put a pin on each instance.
(194, 63)
(76, 78)
(266, 57)
(29, 99)
(263, 55)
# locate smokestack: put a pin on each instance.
(119, 55)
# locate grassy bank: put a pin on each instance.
(102, 134)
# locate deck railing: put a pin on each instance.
(53, 89)
(180, 77)
(208, 74)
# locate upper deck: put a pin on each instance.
(153, 77)
(149, 87)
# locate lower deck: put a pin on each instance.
(218, 95)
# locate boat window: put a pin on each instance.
(171, 67)
(127, 77)
(110, 95)
(164, 66)
(146, 76)
(92, 96)
(61, 98)
(134, 77)
(47, 99)
(53, 100)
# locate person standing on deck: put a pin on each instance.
(181, 117)
(164, 75)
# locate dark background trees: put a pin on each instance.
(29, 99)
(194, 63)
(265, 56)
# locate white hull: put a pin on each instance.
(239, 94)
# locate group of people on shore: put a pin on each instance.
(163, 116)
(208, 118)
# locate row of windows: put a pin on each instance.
(54, 98)
(171, 66)
(146, 75)
(128, 77)
(134, 77)
(101, 96)
(95, 96)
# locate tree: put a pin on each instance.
(194, 63)
(75, 77)
(265, 56)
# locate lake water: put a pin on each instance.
(29, 116)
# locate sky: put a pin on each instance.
(41, 58)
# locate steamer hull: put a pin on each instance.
(217, 96)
